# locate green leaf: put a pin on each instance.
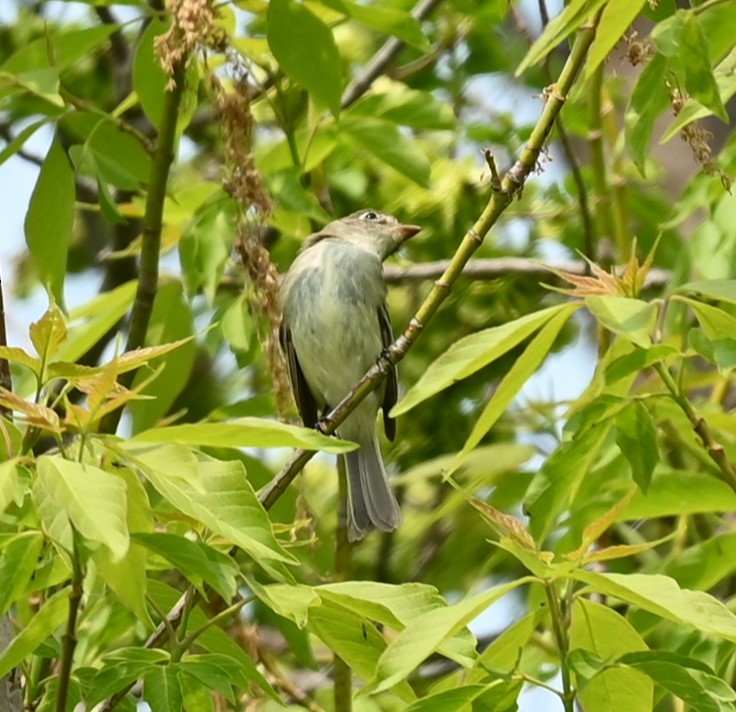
(637, 438)
(237, 325)
(207, 242)
(407, 107)
(682, 40)
(356, 640)
(388, 20)
(119, 157)
(704, 565)
(649, 100)
(127, 577)
(94, 500)
(122, 667)
(219, 495)
(305, 48)
(631, 318)
(149, 78)
(18, 561)
(171, 320)
(690, 680)
(662, 596)
(638, 360)
(58, 48)
(21, 137)
(45, 623)
(246, 432)
(574, 14)
(200, 563)
(384, 141)
(558, 481)
(397, 606)
(162, 690)
(49, 220)
(427, 632)
(468, 355)
(48, 334)
(100, 315)
(522, 370)
(722, 290)
(8, 482)
(615, 20)
(217, 672)
(672, 493)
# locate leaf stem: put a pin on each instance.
(559, 627)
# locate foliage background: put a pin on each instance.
(629, 463)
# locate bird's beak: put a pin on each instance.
(404, 232)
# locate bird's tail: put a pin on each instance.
(371, 503)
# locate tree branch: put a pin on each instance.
(495, 268)
(152, 225)
(383, 58)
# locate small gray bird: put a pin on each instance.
(335, 326)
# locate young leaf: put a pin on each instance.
(49, 220)
(18, 561)
(246, 432)
(472, 353)
(43, 625)
(649, 100)
(196, 560)
(573, 15)
(608, 635)
(662, 596)
(636, 436)
(48, 334)
(631, 318)
(94, 500)
(616, 17)
(522, 370)
(305, 48)
(162, 690)
(557, 483)
(690, 680)
(427, 632)
(384, 140)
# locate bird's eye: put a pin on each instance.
(370, 215)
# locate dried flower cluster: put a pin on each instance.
(639, 51)
(698, 139)
(193, 24)
(243, 182)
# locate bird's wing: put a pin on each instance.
(302, 395)
(391, 394)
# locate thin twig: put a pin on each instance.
(343, 678)
(383, 58)
(497, 267)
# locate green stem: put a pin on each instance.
(187, 643)
(700, 426)
(559, 626)
(69, 639)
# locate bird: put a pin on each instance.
(335, 326)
